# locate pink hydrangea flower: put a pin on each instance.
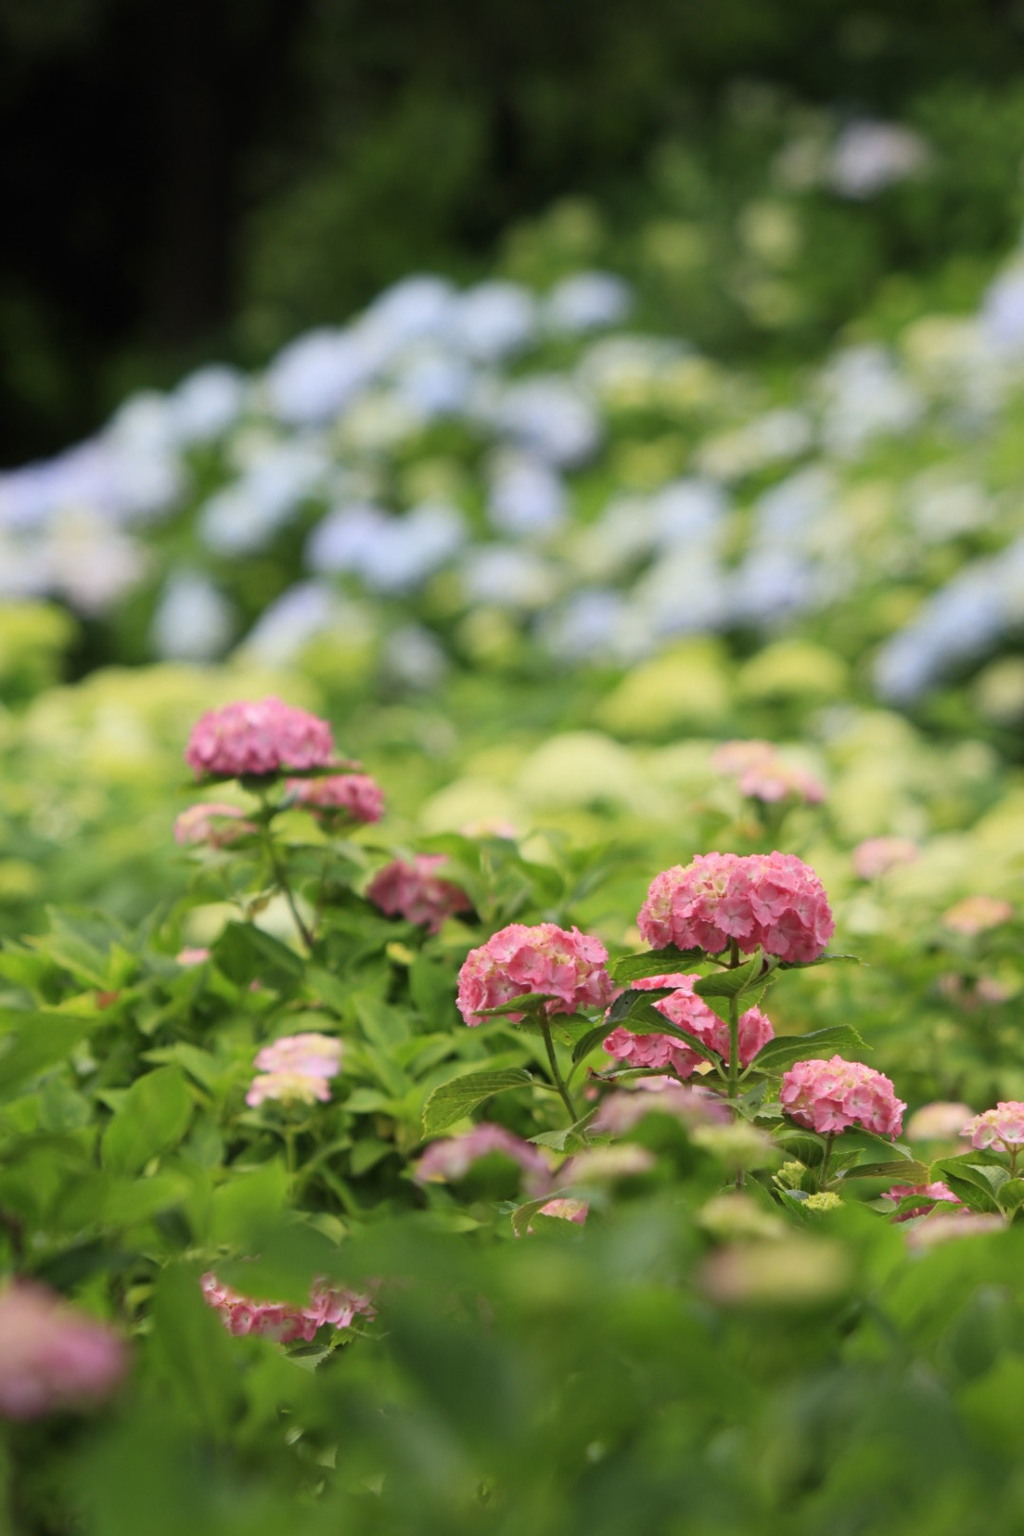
(932, 1196)
(211, 823)
(416, 892)
(773, 901)
(736, 757)
(621, 1111)
(977, 914)
(875, 856)
(340, 797)
(567, 1208)
(543, 958)
(313, 1054)
(999, 1127)
(938, 1122)
(288, 1088)
(452, 1157)
(689, 1011)
(778, 780)
(256, 740)
(829, 1096)
(195, 955)
(281, 1321)
(52, 1357)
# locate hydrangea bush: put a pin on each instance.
(268, 1201)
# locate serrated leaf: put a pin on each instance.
(152, 1117)
(635, 1010)
(455, 1099)
(1011, 1194)
(569, 1139)
(906, 1170)
(246, 953)
(782, 1052)
(520, 1004)
(31, 1041)
(589, 1042)
(656, 962)
(826, 959)
(739, 979)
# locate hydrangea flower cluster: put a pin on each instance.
(212, 824)
(543, 958)
(932, 1195)
(684, 1008)
(243, 1315)
(999, 1127)
(977, 914)
(830, 1096)
(875, 856)
(763, 775)
(296, 1069)
(339, 797)
(769, 901)
(452, 1157)
(51, 1357)
(256, 740)
(413, 889)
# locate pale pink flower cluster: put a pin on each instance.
(999, 1127)
(875, 856)
(339, 797)
(52, 1357)
(830, 1096)
(685, 1009)
(452, 1157)
(567, 1208)
(518, 959)
(773, 901)
(938, 1121)
(192, 955)
(977, 914)
(932, 1196)
(295, 1069)
(763, 775)
(211, 823)
(621, 1111)
(254, 740)
(416, 892)
(281, 1321)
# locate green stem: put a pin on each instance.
(825, 1161)
(281, 879)
(734, 1025)
(559, 1081)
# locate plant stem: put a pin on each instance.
(824, 1162)
(559, 1081)
(281, 879)
(734, 1025)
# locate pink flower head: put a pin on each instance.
(211, 823)
(621, 1111)
(52, 1357)
(567, 1208)
(830, 1096)
(341, 797)
(196, 955)
(778, 780)
(932, 1196)
(452, 1157)
(416, 892)
(877, 855)
(684, 1008)
(278, 1320)
(938, 1121)
(288, 1088)
(772, 901)
(977, 914)
(256, 740)
(312, 1054)
(544, 958)
(999, 1127)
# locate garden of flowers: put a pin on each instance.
(511, 901)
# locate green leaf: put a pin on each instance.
(637, 1012)
(152, 1117)
(977, 1184)
(781, 1053)
(520, 1004)
(590, 1041)
(656, 962)
(740, 979)
(905, 1170)
(245, 953)
(1011, 1194)
(453, 1100)
(32, 1041)
(804, 965)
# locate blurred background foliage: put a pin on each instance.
(197, 178)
